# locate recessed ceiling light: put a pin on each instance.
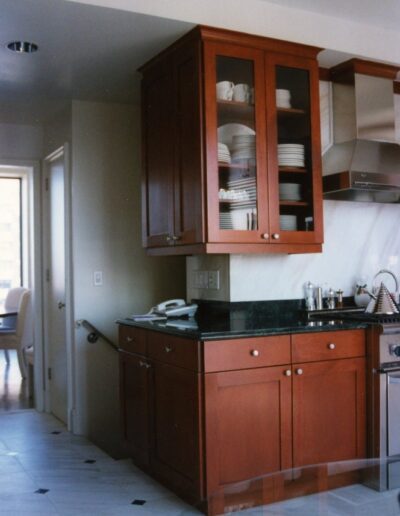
(23, 47)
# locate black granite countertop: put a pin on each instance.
(220, 320)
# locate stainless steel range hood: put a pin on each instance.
(364, 162)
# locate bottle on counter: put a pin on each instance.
(310, 296)
(331, 299)
(318, 298)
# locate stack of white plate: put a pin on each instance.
(291, 155)
(288, 222)
(243, 146)
(224, 154)
(283, 98)
(247, 184)
(225, 220)
(226, 133)
(289, 192)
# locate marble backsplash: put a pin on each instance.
(360, 239)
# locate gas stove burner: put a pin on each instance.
(376, 318)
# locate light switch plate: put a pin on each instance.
(213, 280)
(98, 278)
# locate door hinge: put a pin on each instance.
(47, 274)
(46, 184)
(49, 373)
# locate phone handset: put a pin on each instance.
(171, 303)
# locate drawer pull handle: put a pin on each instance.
(265, 236)
(129, 339)
(276, 236)
(288, 372)
(299, 371)
(254, 352)
(331, 345)
(144, 364)
(168, 349)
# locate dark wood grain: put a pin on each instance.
(132, 340)
(135, 408)
(174, 350)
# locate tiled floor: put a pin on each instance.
(44, 470)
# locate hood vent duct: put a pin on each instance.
(364, 162)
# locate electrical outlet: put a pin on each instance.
(213, 280)
(200, 279)
(98, 278)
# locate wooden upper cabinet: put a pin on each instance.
(234, 169)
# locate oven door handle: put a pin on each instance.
(387, 370)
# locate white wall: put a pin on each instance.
(107, 237)
(21, 142)
(360, 239)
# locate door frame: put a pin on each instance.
(64, 150)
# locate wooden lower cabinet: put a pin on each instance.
(200, 430)
(329, 416)
(175, 409)
(135, 406)
(248, 420)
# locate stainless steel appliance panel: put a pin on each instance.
(393, 413)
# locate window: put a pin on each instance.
(10, 235)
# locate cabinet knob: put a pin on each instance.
(175, 238)
(299, 371)
(276, 236)
(265, 236)
(331, 345)
(144, 364)
(288, 372)
(254, 352)
(168, 238)
(167, 349)
(129, 339)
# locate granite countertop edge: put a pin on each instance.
(163, 327)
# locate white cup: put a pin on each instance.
(241, 93)
(225, 90)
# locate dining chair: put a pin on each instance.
(11, 304)
(22, 336)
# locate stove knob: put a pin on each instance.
(396, 351)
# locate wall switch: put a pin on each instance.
(213, 279)
(98, 278)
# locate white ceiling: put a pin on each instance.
(379, 13)
(92, 53)
(85, 52)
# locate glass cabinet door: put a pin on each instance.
(236, 143)
(294, 160)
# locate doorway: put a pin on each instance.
(57, 306)
(20, 266)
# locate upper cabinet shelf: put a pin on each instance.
(231, 116)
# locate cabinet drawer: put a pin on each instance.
(132, 340)
(227, 355)
(173, 350)
(312, 347)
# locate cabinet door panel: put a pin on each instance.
(158, 156)
(236, 145)
(248, 424)
(329, 411)
(134, 398)
(175, 453)
(294, 157)
(188, 177)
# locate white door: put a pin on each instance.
(55, 312)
